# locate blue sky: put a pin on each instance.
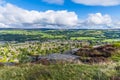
(63, 14)
(81, 9)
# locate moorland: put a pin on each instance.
(50, 54)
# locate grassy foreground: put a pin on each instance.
(58, 72)
(109, 70)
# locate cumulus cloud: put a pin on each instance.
(97, 20)
(11, 15)
(98, 2)
(60, 2)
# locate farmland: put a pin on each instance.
(47, 34)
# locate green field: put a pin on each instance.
(111, 40)
(83, 38)
(42, 35)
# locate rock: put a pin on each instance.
(99, 51)
(62, 56)
(58, 58)
(71, 51)
(97, 54)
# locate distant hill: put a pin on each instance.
(50, 29)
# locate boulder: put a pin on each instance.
(58, 58)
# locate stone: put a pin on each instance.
(58, 58)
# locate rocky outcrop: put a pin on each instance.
(58, 58)
(100, 51)
(97, 54)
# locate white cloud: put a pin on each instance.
(13, 16)
(99, 19)
(17, 17)
(60, 2)
(3, 25)
(98, 2)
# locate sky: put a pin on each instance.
(62, 14)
